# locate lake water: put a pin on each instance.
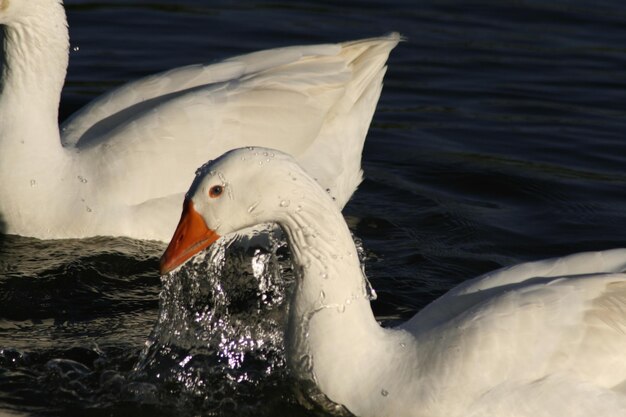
(500, 137)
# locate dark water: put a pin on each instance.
(500, 137)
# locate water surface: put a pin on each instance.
(499, 138)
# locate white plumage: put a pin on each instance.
(120, 166)
(543, 338)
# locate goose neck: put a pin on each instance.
(330, 317)
(35, 51)
(324, 254)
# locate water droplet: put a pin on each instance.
(322, 295)
(341, 308)
(82, 179)
(403, 345)
(253, 207)
(265, 153)
(370, 292)
(306, 363)
(33, 183)
(76, 48)
(324, 275)
(384, 392)
(285, 203)
(88, 209)
(186, 360)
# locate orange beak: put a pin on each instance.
(191, 236)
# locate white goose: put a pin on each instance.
(542, 338)
(121, 165)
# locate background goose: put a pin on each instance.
(539, 339)
(120, 166)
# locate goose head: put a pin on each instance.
(242, 188)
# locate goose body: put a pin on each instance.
(121, 165)
(544, 338)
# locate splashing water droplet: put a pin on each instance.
(253, 207)
(185, 361)
(370, 292)
(196, 319)
(306, 264)
(285, 203)
(306, 363)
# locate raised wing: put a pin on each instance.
(160, 87)
(314, 102)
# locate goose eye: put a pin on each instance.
(216, 191)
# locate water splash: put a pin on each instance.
(221, 324)
(218, 341)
